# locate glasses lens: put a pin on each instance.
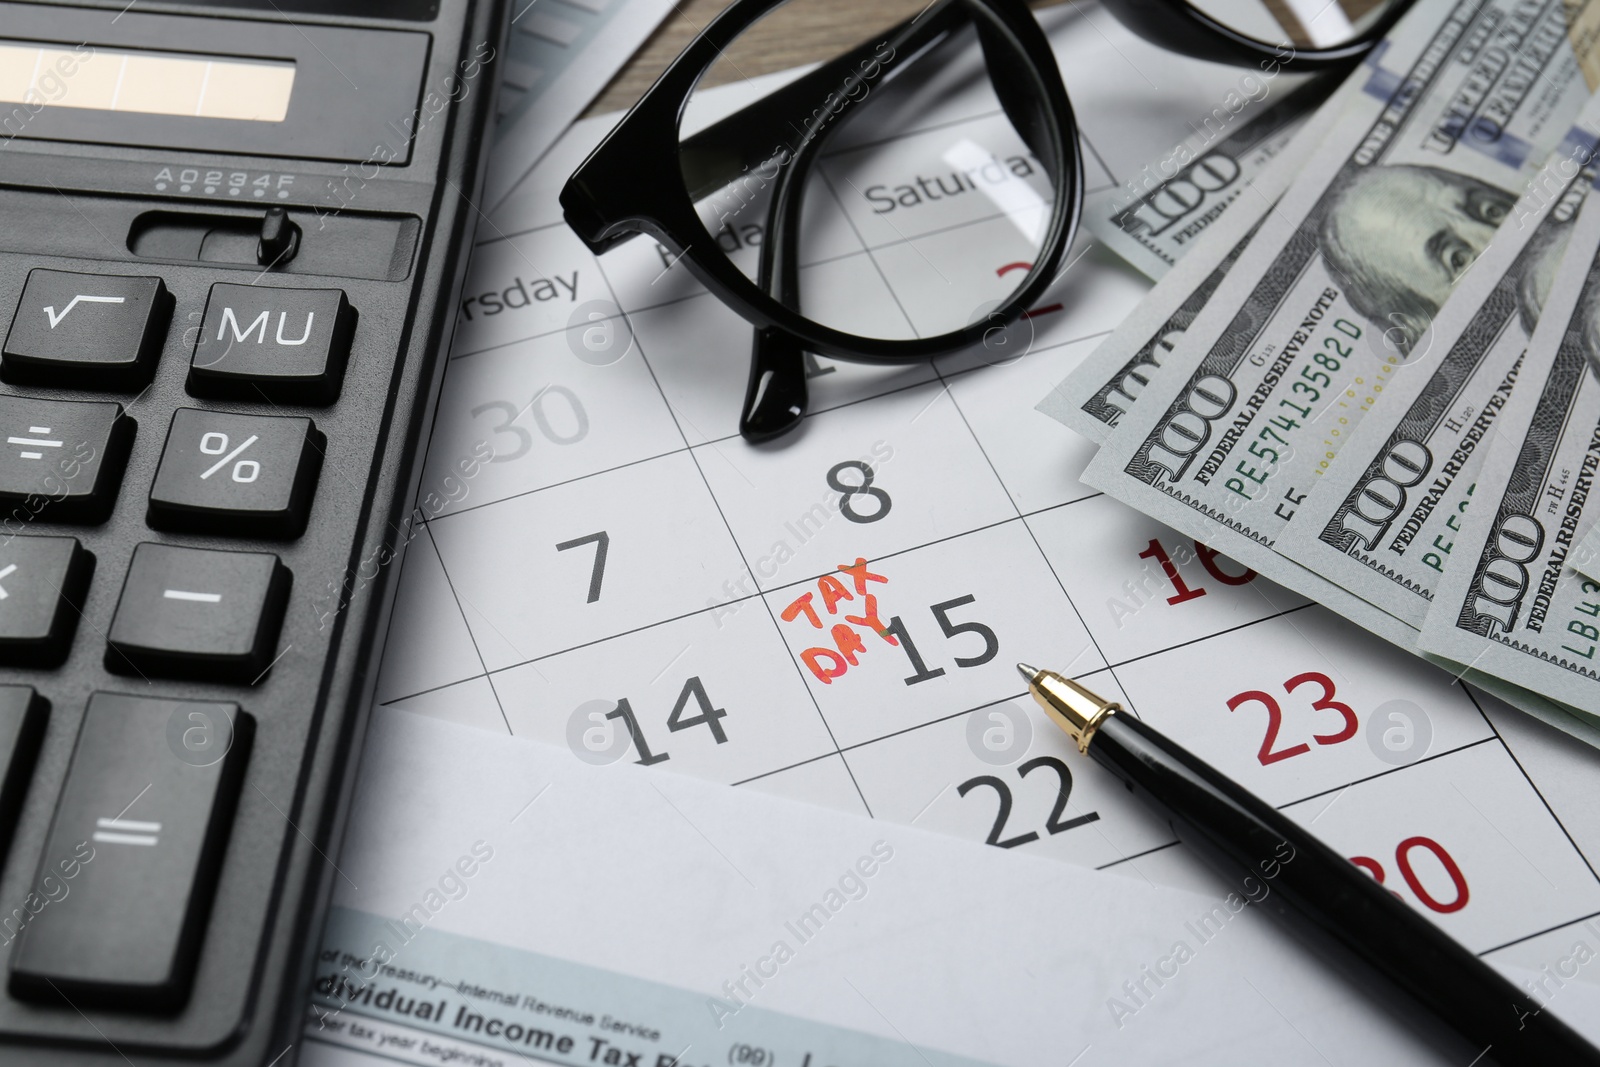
(1298, 23)
(885, 193)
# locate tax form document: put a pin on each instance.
(600, 562)
(499, 902)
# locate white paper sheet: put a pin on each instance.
(501, 879)
(1440, 790)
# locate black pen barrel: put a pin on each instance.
(1270, 859)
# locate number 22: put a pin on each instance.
(1054, 824)
(1275, 716)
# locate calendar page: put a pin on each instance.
(602, 563)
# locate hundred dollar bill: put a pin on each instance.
(1384, 519)
(1336, 292)
(1587, 557)
(1104, 387)
(1154, 218)
(1509, 604)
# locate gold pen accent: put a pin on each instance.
(1071, 706)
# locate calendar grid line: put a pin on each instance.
(1022, 695)
(1209, 636)
(456, 597)
(1174, 843)
(433, 689)
(1090, 494)
(827, 183)
(668, 558)
(1108, 668)
(555, 485)
(1011, 499)
(498, 345)
(1312, 645)
(842, 750)
(905, 135)
(744, 562)
(736, 601)
(700, 292)
(422, 465)
(788, 767)
(1083, 137)
(962, 372)
(1531, 783)
(865, 249)
(1541, 933)
(944, 385)
(501, 235)
(1386, 772)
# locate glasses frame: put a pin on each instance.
(607, 201)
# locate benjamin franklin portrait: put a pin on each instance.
(1398, 238)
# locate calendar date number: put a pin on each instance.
(1405, 855)
(1053, 823)
(708, 715)
(1182, 592)
(1324, 702)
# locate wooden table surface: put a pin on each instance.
(813, 30)
(806, 31)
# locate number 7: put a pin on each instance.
(602, 541)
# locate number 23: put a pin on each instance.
(1275, 716)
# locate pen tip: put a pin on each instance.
(1027, 672)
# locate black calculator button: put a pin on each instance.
(224, 473)
(22, 717)
(86, 331)
(260, 342)
(137, 838)
(60, 459)
(198, 613)
(42, 585)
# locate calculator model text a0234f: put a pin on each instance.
(232, 236)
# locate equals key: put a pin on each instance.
(140, 828)
(31, 444)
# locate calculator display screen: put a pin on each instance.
(220, 84)
(149, 83)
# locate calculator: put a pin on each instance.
(232, 238)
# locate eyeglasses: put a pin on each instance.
(938, 216)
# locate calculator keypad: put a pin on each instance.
(138, 835)
(226, 473)
(23, 713)
(61, 459)
(42, 585)
(154, 779)
(86, 331)
(192, 612)
(283, 345)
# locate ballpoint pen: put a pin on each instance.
(1326, 898)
